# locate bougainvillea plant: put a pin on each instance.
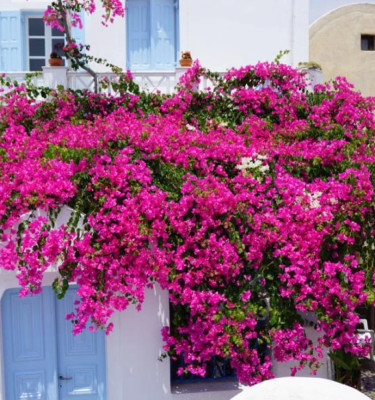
(252, 203)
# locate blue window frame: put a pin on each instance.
(152, 34)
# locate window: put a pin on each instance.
(218, 369)
(41, 41)
(152, 34)
(368, 42)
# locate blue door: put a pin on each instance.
(42, 359)
(151, 34)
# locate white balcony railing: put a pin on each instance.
(163, 82)
(150, 81)
(20, 78)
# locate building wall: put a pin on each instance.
(24, 4)
(222, 34)
(219, 33)
(335, 44)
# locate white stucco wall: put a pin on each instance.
(136, 344)
(221, 34)
(34, 5)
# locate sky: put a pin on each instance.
(321, 7)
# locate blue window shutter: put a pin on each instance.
(79, 34)
(11, 58)
(138, 35)
(151, 34)
(163, 34)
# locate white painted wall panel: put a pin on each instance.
(240, 32)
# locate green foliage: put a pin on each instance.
(347, 368)
(280, 55)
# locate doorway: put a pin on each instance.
(42, 358)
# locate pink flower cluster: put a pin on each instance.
(251, 203)
(52, 18)
(111, 9)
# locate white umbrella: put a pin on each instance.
(296, 388)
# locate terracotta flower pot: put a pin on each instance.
(55, 62)
(186, 62)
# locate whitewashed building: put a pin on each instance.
(39, 357)
(219, 33)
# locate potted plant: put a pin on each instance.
(55, 60)
(186, 60)
(313, 70)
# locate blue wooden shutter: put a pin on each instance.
(138, 35)
(10, 41)
(79, 34)
(163, 34)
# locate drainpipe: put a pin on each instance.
(184, 9)
(292, 32)
(69, 30)
(177, 30)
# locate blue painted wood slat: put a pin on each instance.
(81, 358)
(29, 346)
(79, 34)
(151, 34)
(163, 34)
(138, 19)
(10, 41)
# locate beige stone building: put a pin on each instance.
(343, 43)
